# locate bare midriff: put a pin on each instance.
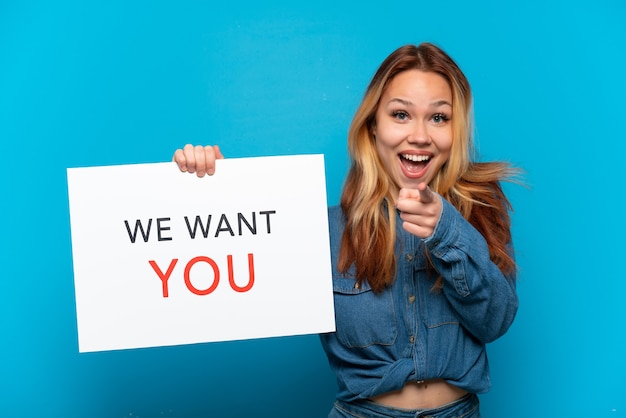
(421, 395)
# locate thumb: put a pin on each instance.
(218, 153)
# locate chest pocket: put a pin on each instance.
(363, 318)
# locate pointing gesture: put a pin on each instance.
(421, 209)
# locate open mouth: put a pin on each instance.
(414, 164)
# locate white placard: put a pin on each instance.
(166, 258)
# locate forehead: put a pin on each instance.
(418, 85)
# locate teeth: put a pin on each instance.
(416, 158)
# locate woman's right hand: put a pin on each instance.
(198, 159)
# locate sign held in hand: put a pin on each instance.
(166, 258)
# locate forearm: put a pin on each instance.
(484, 300)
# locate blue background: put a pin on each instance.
(115, 82)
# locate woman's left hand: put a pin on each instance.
(420, 210)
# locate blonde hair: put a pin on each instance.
(368, 239)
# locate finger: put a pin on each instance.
(411, 194)
(407, 198)
(179, 158)
(426, 195)
(420, 231)
(218, 152)
(200, 158)
(189, 158)
(209, 159)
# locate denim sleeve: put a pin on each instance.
(482, 297)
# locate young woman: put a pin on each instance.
(423, 267)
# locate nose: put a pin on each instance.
(419, 133)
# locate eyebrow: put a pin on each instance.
(410, 103)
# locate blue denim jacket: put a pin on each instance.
(410, 332)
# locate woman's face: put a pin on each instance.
(413, 131)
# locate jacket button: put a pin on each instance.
(412, 298)
(411, 339)
(409, 257)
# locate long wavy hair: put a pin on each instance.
(474, 188)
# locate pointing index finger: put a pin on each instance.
(426, 195)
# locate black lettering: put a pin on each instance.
(138, 226)
(267, 213)
(220, 228)
(240, 219)
(205, 232)
(162, 228)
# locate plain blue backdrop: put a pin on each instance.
(115, 82)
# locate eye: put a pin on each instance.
(440, 118)
(401, 115)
